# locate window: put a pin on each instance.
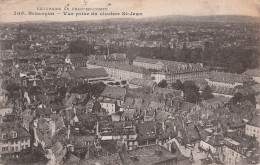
(22, 141)
(26, 146)
(12, 148)
(16, 142)
(22, 147)
(26, 140)
(16, 148)
(12, 142)
(14, 135)
(4, 136)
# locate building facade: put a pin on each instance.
(120, 71)
(13, 140)
(171, 70)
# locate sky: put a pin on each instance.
(148, 8)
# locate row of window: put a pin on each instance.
(252, 129)
(14, 148)
(15, 141)
(14, 135)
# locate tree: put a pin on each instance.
(178, 85)
(207, 93)
(97, 89)
(238, 98)
(191, 91)
(12, 88)
(96, 107)
(123, 82)
(163, 84)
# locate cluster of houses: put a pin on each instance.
(139, 123)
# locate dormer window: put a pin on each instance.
(14, 135)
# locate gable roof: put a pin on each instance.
(142, 82)
(153, 154)
(9, 128)
(113, 159)
(117, 93)
(88, 73)
(228, 77)
(75, 55)
(253, 72)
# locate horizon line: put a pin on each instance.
(133, 18)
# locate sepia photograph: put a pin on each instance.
(129, 82)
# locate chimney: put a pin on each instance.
(97, 129)
(155, 129)
(163, 125)
(53, 127)
(68, 132)
(174, 128)
(74, 110)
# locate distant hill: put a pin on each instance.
(212, 18)
(170, 19)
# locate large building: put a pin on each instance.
(13, 139)
(171, 70)
(229, 80)
(253, 127)
(89, 75)
(255, 73)
(77, 60)
(125, 131)
(120, 71)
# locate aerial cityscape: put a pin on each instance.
(173, 90)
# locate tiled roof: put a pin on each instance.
(172, 66)
(9, 128)
(79, 141)
(253, 72)
(153, 154)
(125, 67)
(113, 159)
(117, 93)
(75, 55)
(255, 121)
(171, 93)
(142, 82)
(228, 77)
(89, 73)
